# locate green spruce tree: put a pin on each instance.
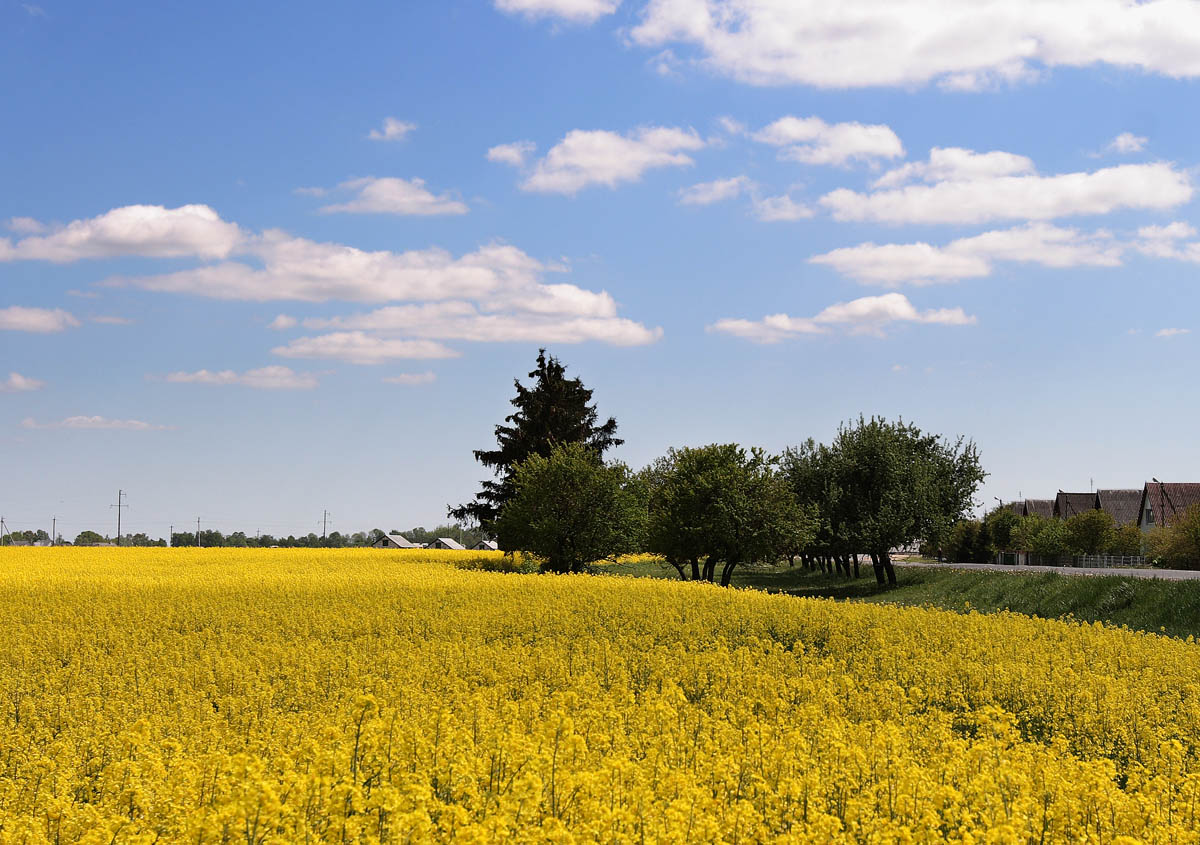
(554, 411)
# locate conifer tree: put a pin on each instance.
(554, 411)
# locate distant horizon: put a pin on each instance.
(260, 262)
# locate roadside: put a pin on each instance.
(1145, 601)
(1147, 572)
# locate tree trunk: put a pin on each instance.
(678, 568)
(709, 566)
(856, 572)
(877, 565)
(727, 572)
(791, 560)
(695, 569)
(891, 572)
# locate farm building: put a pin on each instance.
(1162, 503)
(1067, 505)
(1039, 507)
(446, 543)
(394, 541)
(485, 546)
(1121, 505)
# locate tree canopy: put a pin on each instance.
(570, 508)
(554, 411)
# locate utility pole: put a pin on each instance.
(324, 523)
(3, 529)
(53, 534)
(171, 537)
(197, 532)
(120, 504)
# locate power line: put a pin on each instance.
(120, 504)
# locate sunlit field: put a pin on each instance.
(297, 696)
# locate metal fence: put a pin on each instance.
(1080, 561)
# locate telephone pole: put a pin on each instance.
(197, 532)
(324, 523)
(53, 534)
(120, 504)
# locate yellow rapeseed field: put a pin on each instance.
(205, 696)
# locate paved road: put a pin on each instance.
(1165, 574)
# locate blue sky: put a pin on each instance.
(260, 262)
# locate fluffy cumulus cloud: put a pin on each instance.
(963, 187)
(392, 130)
(264, 378)
(41, 320)
(1174, 240)
(97, 423)
(514, 154)
(362, 348)
(411, 379)
(463, 321)
(150, 231)
(811, 140)
(972, 257)
(720, 190)
(394, 196)
(961, 44)
(17, 383)
(506, 289)
(1127, 142)
(870, 315)
(584, 158)
(575, 11)
(780, 209)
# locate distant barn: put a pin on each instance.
(447, 543)
(394, 541)
(1162, 503)
(485, 546)
(1121, 505)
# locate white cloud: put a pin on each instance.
(411, 379)
(781, 208)
(922, 263)
(101, 423)
(145, 230)
(17, 383)
(361, 348)
(575, 11)
(110, 320)
(462, 321)
(25, 226)
(813, 141)
(891, 264)
(503, 286)
(310, 271)
(1127, 142)
(1172, 332)
(866, 315)
(515, 154)
(42, 320)
(965, 199)
(1165, 241)
(598, 157)
(954, 164)
(707, 193)
(962, 45)
(390, 195)
(393, 130)
(264, 378)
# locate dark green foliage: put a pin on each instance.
(569, 509)
(554, 411)
(721, 505)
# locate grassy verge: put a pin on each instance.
(1170, 607)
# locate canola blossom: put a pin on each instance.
(272, 696)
